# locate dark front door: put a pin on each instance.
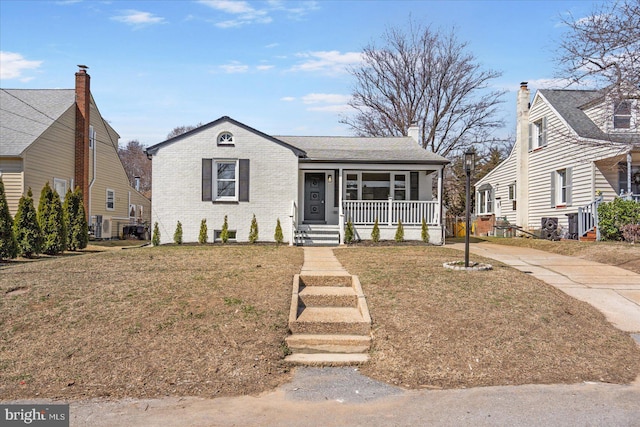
(314, 197)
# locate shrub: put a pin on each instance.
(631, 233)
(177, 236)
(375, 233)
(400, 232)
(425, 231)
(51, 220)
(349, 233)
(614, 215)
(76, 221)
(8, 244)
(224, 233)
(278, 237)
(203, 237)
(253, 232)
(155, 239)
(26, 228)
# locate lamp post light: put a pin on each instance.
(469, 166)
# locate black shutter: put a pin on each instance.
(243, 191)
(207, 176)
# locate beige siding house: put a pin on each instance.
(313, 185)
(59, 136)
(573, 148)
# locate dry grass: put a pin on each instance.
(440, 328)
(620, 254)
(210, 321)
(204, 321)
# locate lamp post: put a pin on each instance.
(469, 166)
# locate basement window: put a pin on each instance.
(217, 233)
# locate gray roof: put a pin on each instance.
(26, 113)
(570, 105)
(400, 150)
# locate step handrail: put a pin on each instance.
(588, 218)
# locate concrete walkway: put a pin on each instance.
(320, 261)
(612, 290)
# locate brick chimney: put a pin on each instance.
(83, 107)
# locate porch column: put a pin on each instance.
(340, 207)
(440, 179)
(629, 191)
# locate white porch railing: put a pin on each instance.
(588, 218)
(410, 212)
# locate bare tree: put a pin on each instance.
(136, 164)
(179, 130)
(603, 49)
(429, 78)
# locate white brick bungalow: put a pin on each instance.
(573, 148)
(313, 185)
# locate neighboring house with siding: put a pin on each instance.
(572, 146)
(313, 185)
(59, 136)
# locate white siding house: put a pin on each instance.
(570, 149)
(312, 185)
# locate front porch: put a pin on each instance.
(330, 198)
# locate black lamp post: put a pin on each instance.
(469, 166)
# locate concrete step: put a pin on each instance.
(317, 235)
(328, 296)
(326, 359)
(331, 279)
(347, 344)
(330, 320)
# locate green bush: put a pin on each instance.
(203, 237)
(224, 233)
(375, 233)
(400, 232)
(76, 220)
(277, 236)
(425, 231)
(614, 215)
(51, 220)
(349, 233)
(155, 240)
(26, 228)
(177, 235)
(253, 232)
(8, 244)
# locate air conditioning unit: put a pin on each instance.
(106, 227)
(96, 225)
(549, 229)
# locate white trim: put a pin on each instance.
(113, 199)
(215, 180)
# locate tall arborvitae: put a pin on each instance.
(224, 233)
(26, 228)
(8, 245)
(204, 232)
(253, 230)
(277, 236)
(51, 220)
(177, 236)
(75, 220)
(155, 239)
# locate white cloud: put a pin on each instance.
(272, 45)
(138, 18)
(12, 65)
(325, 98)
(332, 61)
(245, 14)
(288, 99)
(235, 67)
(264, 67)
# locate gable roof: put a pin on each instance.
(26, 113)
(570, 105)
(154, 148)
(399, 150)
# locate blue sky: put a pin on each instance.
(278, 66)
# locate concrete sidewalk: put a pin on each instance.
(613, 291)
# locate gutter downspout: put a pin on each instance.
(629, 161)
(93, 177)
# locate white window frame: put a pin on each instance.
(512, 192)
(60, 182)
(92, 137)
(392, 183)
(632, 122)
(235, 180)
(225, 138)
(562, 187)
(112, 198)
(485, 204)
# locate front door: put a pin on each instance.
(314, 198)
